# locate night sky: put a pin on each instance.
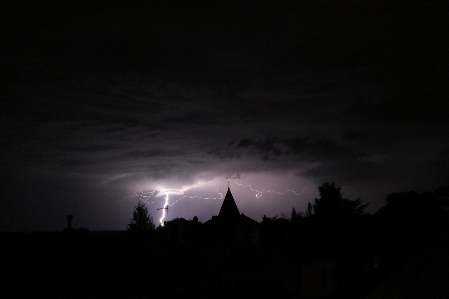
(103, 100)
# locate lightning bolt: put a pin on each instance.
(259, 193)
(200, 197)
(147, 196)
(164, 210)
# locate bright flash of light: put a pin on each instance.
(169, 191)
(164, 209)
(259, 193)
(148, 196)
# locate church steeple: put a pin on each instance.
(230, 228)
(229, 207)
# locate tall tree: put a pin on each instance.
(142, 220)
(294, 215)
(332, 204)
(309, 210)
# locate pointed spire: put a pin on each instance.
(229, 207)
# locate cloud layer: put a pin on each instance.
(102, 101)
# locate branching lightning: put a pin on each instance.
(200, 197)
(150, 196)
(147, 196)
(259, 193)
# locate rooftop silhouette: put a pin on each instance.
(229, 207)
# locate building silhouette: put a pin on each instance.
(230, 227)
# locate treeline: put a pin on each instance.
(336, 227)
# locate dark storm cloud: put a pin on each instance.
(304, 148)
(221, 154)
(347, 172)
(268, 149)
(91, 148)
(236, 176)
(102, 97)
(354, 135)
(422, 106)
(196, 118)
(102, 159)
(153, 153)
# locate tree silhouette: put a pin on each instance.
(408, 222)
(142, 220)
(295, 215)
(274, 231)
(332, 204)
(340, 228)
(309, 210)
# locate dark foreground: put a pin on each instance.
(120, 265)
(113, 265)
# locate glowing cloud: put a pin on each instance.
(170, 191)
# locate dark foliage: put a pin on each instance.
(179, 230)
(407, 222)
(332, 204)
(274, 231)
(142, 220)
